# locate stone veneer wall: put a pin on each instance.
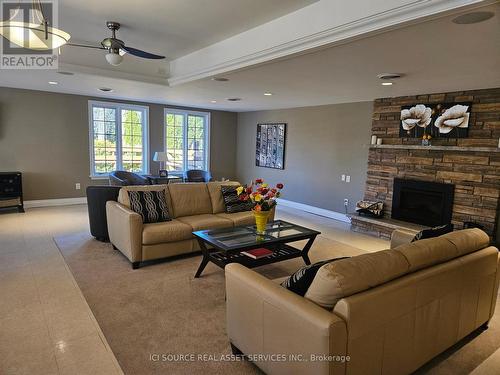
(476, 174)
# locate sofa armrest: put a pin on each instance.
(265, 318)
(125, 230)
(401, 237)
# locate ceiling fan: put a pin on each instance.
(116, 48)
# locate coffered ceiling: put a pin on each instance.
(273, 46)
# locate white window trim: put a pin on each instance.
(186, 112)
(118, 107)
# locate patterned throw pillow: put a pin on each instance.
(151, 205)
(301, 280)
(232, 202)
(433, 232)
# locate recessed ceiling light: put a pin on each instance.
(389, 75)
(220, 79)
(234, 99)
(66, 73)
(473, 17)
(268, 93)
(105, 89)
(213, 101)
(386, 83)
(53, 83)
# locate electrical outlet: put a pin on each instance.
(77, 186)
(348, 179)
(343, 177)
(346, 202)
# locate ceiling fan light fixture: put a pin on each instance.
(114, 59)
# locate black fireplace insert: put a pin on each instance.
(422, 202)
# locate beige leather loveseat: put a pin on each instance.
(193, 206)
(400, 308)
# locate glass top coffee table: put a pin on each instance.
(228, 244)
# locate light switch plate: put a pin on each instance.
(343, 177)
(348, 179)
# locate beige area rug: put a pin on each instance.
(162, 309)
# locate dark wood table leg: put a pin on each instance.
(305, 250)
(205, 259)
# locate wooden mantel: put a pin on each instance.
(437, 148)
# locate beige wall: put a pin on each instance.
(323, 143)
(45, 136)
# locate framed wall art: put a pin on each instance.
(444, 120)
(270, 145)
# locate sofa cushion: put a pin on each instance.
(302, 279)
(432, 251)
(151, 205)
(426, 253)
(170, 231)
(233, 202)
(468, 240)
(207, 221)
(123, 197)
(190, 199)
(240, 218)
(345, 277)
(214, 189)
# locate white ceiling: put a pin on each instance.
(172, 28)
(435, 56)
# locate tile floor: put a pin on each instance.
(46, 326)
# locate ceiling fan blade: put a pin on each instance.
(84, 45)
(143, 54)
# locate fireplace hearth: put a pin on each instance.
(422, 202)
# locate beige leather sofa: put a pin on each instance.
(193, 206)
(441, 289)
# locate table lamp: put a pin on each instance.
(162, 158)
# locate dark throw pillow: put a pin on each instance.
(301, 279)
(232, 201)
(433, 232)
(151, 205)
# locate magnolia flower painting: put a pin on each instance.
(419, 115)
(452, 118)
(435, 121)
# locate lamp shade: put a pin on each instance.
(114, 58)
(14, 31)
(160, 156)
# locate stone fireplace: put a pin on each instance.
(469, 166)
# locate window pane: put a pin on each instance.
(174, 141)
(132, 141)
(104, 137)
(196, 142)
(98, 113)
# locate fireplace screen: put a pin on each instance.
(422, 202)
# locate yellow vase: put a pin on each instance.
(261, 218)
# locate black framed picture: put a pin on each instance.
(270, 145)
(443, 120)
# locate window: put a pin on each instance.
(187, 135)
(118, 138)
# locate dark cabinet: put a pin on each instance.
(11, 190)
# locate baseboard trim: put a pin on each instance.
(315, 210)
(54, 202)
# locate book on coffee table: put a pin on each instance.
(261, 252)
